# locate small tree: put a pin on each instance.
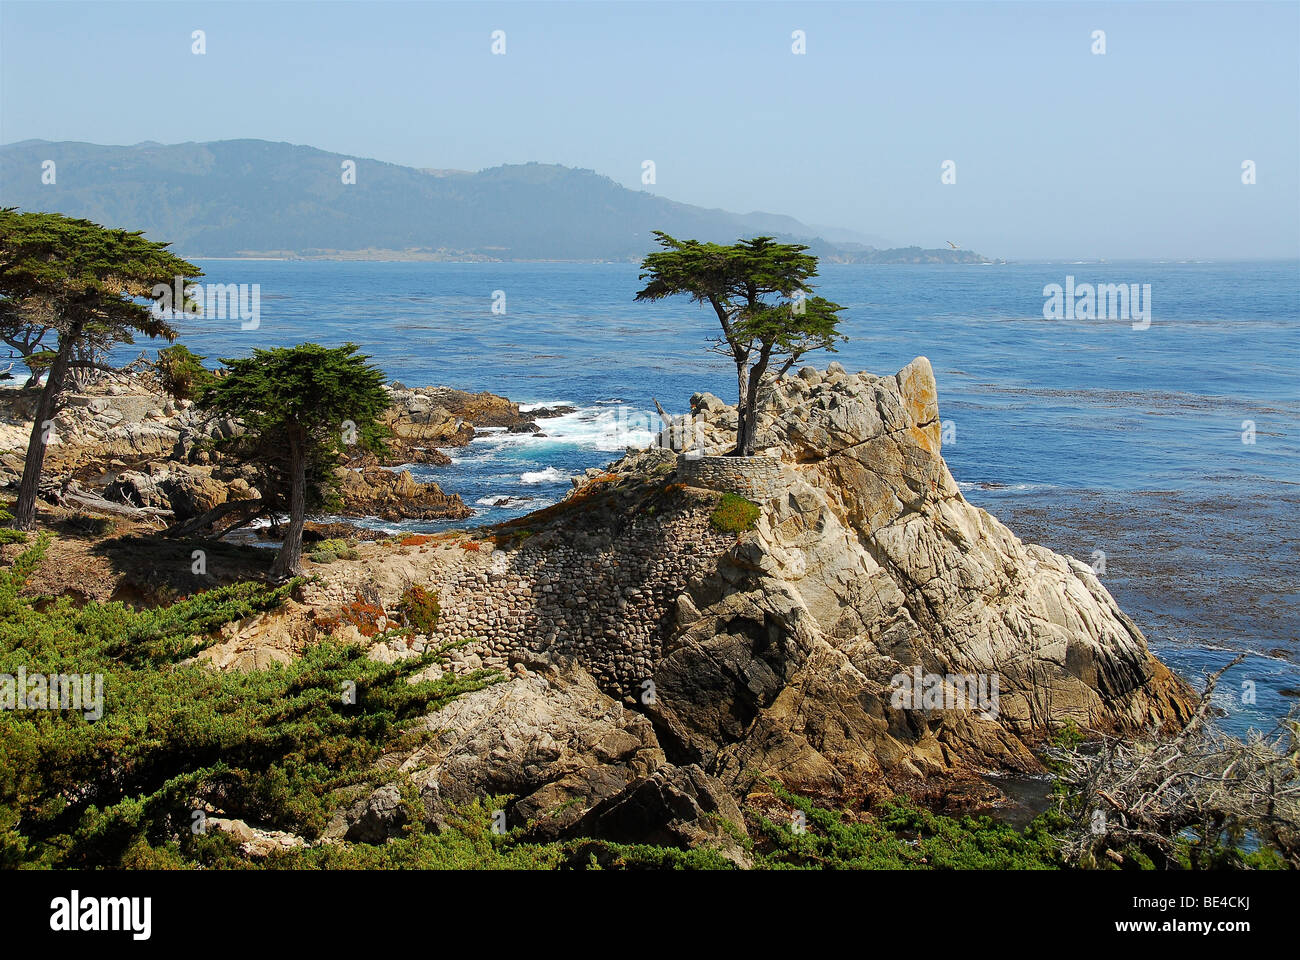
(85, 284)
(301, 406)
(182, 373)
(759, 290)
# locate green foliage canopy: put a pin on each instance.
(301, 406)
(84, 278)
(759, 289)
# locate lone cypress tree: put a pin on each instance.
(84, 282)
(301, 406)
(759, 290)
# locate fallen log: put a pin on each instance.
(245, 511)
(85, 500)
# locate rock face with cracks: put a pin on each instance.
(576, 761)
(872, 632)
(839, 643)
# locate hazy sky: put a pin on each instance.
(1059, 152)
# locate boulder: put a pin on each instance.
(136, 489)
(376, 818)
(578, 762)
(673, 806)
(192, 493)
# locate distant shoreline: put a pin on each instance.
(630, 260)
(1062, 261)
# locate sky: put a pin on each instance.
(1058, 151)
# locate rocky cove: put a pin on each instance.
(122, 440)
(658, 667)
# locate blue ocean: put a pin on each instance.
(1167, 453)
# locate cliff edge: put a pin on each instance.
(865, 631)
(876, 625)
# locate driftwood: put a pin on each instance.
(243, 511)
(663, 414)
(1147, 795)
(85, 500)
(69, 493)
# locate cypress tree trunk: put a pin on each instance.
(745, 439)
(742, 422)
(288, 562)
(747, 415)
(25, 510)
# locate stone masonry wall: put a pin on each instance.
(756, 478)
(610, 605)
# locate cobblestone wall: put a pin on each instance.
(756, 478)
(610, 606)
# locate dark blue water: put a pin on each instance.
(1094, 434)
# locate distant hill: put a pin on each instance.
(235, 198)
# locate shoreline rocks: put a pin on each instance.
(377, 492)
(789, 650)
(870, 632)
(122, 440)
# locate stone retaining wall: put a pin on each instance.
(755, 478)
(610, 605)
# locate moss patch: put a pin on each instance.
(734, 514)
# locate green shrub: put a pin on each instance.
(734, 514)
(419, 608)
(900, 836)
(270, 746)
(182, 373)
(327, 551)
(469, 843)
(9, 534)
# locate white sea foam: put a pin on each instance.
(549, 475)
(505, 500)
(602, 428)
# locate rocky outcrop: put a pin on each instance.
(123, 440)
(870, 632)
(873, 632)
(576, 762)
(870, 579)
(421, 420)
(376, 492)
(185, 491)
(114, 421)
